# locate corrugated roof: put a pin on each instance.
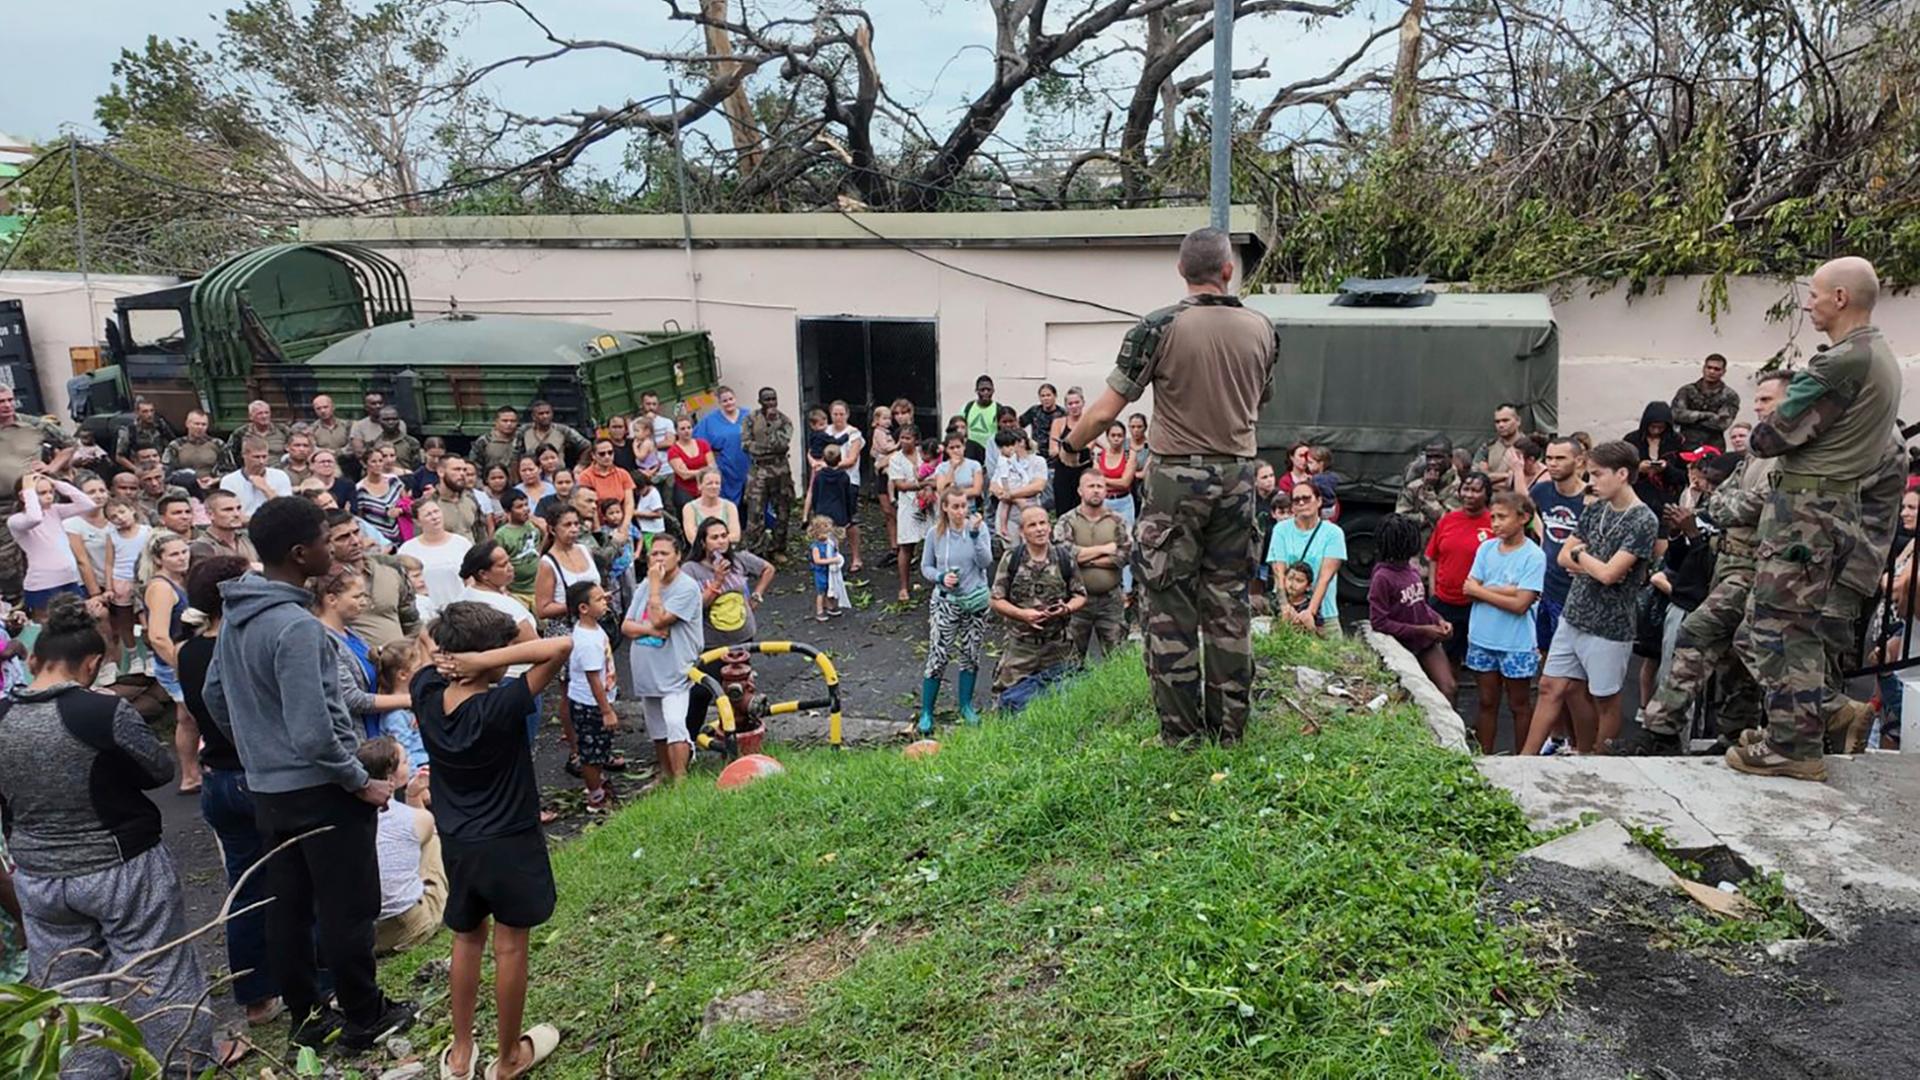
(1447, 309)
(988, 229)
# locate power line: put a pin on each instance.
(917, 253)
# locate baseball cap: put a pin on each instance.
(1693, 456)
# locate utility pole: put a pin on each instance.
(686, 219)
(1220, 170)
(80, 222)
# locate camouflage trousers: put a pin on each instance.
(1194, 553)
(1704, 648)
(1800, 614)
(768, 486)
(1103, 619)
(13, 565)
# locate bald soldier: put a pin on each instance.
(1824, 530)
(1210, 363)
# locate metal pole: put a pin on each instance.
(686, 219)
(80, 224)
(1220, 170)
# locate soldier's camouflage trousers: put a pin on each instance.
(13, 561)
(767, 486)
(1194, 551)
(1103, 619)
(1704, 649)
(1799, 611)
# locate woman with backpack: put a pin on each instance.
(957, 558)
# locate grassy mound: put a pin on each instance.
(1050, 895)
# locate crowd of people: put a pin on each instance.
(1542, 564)
(359, 634)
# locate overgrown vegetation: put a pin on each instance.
(1773, 914)
(1050, 895)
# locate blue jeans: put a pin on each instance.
(228, 807)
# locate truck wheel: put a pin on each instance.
(1361, 524)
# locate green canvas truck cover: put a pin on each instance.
(1376, 384)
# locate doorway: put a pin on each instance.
(869, 362)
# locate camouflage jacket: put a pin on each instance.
(1838, 412)
(1429, 505)
(1734, 507)
(768, 442)
(136, 436)
(276, 436)
(1024, 582)
(22, 443)
(406, 450)
(1703, 415)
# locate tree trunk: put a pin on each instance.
(746, 139)
(1406, 76)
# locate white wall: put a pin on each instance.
(1616, 353)
(61, 316)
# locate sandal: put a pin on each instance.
(446, 1065)
(543, 1038)
(618, 764)
(230, 1052)
(573, 765)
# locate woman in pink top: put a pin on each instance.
(39, 528)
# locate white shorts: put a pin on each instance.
(1576, 654)
(666, 716)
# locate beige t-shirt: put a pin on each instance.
(1210, 363)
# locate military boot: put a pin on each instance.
(1848, 726)
(1761, 759)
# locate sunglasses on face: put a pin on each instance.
(1298, 499)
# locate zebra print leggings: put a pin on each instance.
(951, 630)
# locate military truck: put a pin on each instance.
(1376, 371)
(289, 322)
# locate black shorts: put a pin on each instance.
(590, 737)
(1457, 615)
(506, 878)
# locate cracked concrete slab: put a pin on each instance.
(1605, 846)
(1445, 724)
(1844, 848)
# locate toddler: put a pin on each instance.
(590, 689)
(1299, 586)
(823, 550)
(396, 662)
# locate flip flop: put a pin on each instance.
(544, 1038)
(446, 1066)
(231, 1052)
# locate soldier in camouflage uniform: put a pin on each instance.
(1102, 545)
(1037, 590)
(768, 440)
(1435, 490)
(1210, 363)
(1702, 410)
(24, 442)
(1815, 564)
(195, 450)
(393, 433)
(261, 425)
(1707, 636)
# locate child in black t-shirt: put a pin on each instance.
(486, 804)
(833, 494)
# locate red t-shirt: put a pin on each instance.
(1455, 541)
(702, 458)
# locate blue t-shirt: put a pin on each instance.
(1292, 544)
(1524, 567)
(1559, 516)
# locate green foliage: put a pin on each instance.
(39, 1028)
(1052, 894)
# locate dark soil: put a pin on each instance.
(1639, 1006)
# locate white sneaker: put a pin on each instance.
(1552, 746)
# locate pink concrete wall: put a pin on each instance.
(1617, 354)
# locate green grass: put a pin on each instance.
(1051, 895)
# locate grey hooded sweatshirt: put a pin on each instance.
(274, 688)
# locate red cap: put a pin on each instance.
(1691, 456)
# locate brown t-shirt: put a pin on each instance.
(21, 444)
(1076, 529)
(1210, 363)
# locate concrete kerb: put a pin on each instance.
(1445, 725)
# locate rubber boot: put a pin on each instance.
(967, 679)
(929, 692)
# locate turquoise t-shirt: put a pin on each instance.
(1524, 567)
(1292, 544)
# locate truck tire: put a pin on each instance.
(1361, 523)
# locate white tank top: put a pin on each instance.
(564, 578)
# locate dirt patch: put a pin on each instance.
(1634, 1008)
